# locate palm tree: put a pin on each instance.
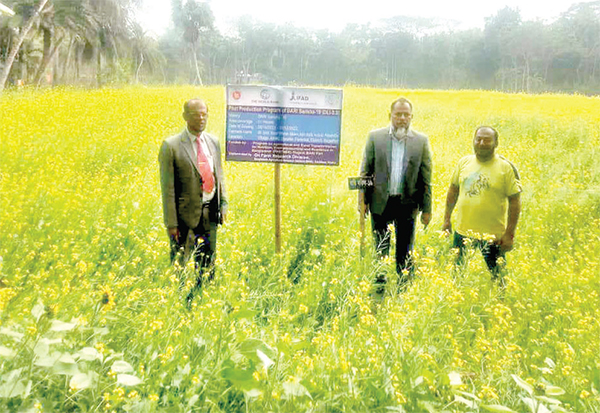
(144, 49)
(193, 19)
(29, 22)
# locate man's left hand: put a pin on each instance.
(425, 218)
(506, 242)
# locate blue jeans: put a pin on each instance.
(490, 251)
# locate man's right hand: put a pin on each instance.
(173, 233)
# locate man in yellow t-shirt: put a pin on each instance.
(486, 190)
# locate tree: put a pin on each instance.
(29, 22)
(193, 19)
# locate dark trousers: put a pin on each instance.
(494, 258)
(199, 242)
(402, 216)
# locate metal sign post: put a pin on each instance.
(361, 184)
(277, 178)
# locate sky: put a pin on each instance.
(155, 15)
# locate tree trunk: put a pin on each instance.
(137, 72)
(98, 67)
(65, 67)
(17, 45)
(46, 60)
(198, 78)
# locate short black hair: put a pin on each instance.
(400, 100)
(487, 127)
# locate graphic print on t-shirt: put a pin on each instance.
(476, 183)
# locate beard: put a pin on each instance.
(401, 132)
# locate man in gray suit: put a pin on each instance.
(398, 159)
(193, 190)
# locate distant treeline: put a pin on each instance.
(98, 42)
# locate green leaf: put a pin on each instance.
(121, 367)
(265, 359)
(236, 375)
(58, 325)
(548, 400)
(455, 379)
(128, 380)
(253, 394)
(89, 354)
(41, 349)
(67, 359)
(48, 360)
(470, 395)
(12, 389)
(27, 391)
(554, 391)
(200, 342)
(522, 384)
(80, 381)
(38, 310)
(549, 362)
(469, 403)
(17, 336)
(67, 369)
(100, 331)
(428, 406)
(7, 352)
(248, 348)
(497, 408)
(534, 405)
(293, 389)
(244, 313)
(192, 401)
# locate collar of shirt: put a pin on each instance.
(192, 136)
(202, 137)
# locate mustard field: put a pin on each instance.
(93, 317)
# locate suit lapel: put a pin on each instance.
(388, 151)
(409, 148)
(186, 143)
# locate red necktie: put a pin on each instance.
(208, 180)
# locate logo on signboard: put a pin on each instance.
(298, 97)
(265, 94)
(331, 99)
(236, 94)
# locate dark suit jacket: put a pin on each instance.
(181, 182)
(416, 170)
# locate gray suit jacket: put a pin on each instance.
(416, 168)
(181, 183)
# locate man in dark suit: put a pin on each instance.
(398, 159)
(193, 190)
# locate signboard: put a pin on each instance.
(283, 124)
(360, 183)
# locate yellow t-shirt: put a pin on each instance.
(483, 198)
